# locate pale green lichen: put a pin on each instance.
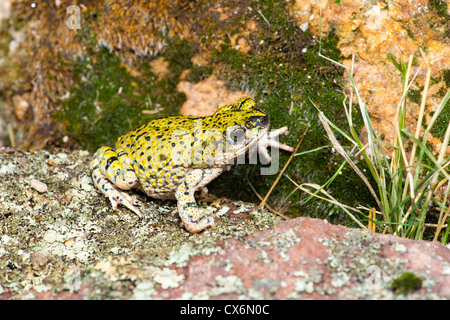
(270, 285)
(143, 290)
(87, 233)
(228, 284)
(285, 241)
(445, 268)
(357, 259)
(167, 278)
(399, 247)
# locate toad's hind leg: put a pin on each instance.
(187, 207)
(111, 172)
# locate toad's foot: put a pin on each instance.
(111, 175)
(119, 197)
(271, 140)
(113, 194)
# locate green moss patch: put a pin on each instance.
(406, 282)
(108, 99)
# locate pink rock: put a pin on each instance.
(310, 258)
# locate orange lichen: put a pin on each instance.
(135, 28)
(239, 40)
(205, 97)
(160, 67)
(372, 30)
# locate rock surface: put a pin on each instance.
(65, 243)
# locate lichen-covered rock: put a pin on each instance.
(71, 229)
(308, 258)
(67, 244)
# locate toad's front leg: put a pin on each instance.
(187, 207)
(112, 173)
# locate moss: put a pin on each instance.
(415, 96)
(440, 6)
(446, 74)
(103, 100)
(441, 124)
(406, 283)
(410, 34)
(108, 101)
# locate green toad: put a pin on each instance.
(175, 156)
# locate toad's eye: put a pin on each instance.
(264, 121)
(261, 122)
(237, 135)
